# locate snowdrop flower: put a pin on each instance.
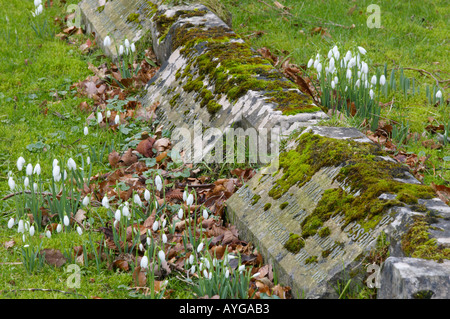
(205, 214)
(125, 211)
(29, 170)
(155, 225)
(316, 62)
(11, 183)
(11, 223)
(331, 63)
(137, 200)
(438, 94)
(59, 228)
(180, 213)
(55, 162)
(351, 63)
(56, 173)
(99, 117)
(117, 215)
(358, 83)
(256, 275)
(191, 259)
(241, 268)
(85, 200)
(71, 164)
(382, 79)
(227, 273)
(161, 255)
(336, 79)
(164, 223)
(37, 3)
(32, 231)
(200, 247)
(144, 262)
(364, 67)
(108, 114)
(79, 230)
(20, 163)
(37, 169)
(330, 53)
(35, 187)
(66, 220)
(164, 238)
(121, 50)
(48, 234)
(24, 238)
(148, 241)
(133, 47)
(141, 247)
(127, 43)
(107, 41)
(86, 130)
(205, 273)
(207, 264)
(362, 50)
(190, 200)
(185, 195)
(158, 183)
(192, 270)
(105, 202)
(349, 74)
(333, 85)
(38, 10)
(88, 160)
(117, 119)
(366, 84)
(26, 182)
(147, 195)
(371, 94)
(20, 227)
(319, 67)
(336, 53)
(348, 56)
(156, 204)
(310, 63)
(65, 174)
(374, 80)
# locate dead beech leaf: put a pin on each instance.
(80, 216)
(128, 158)
(53, 257)
(442, 191)
(145, 147)
(113, 159)
(162, 144)
(9, 244)
(139, 277)
(121, 264)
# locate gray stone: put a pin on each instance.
(413, 278)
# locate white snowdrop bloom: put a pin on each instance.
(99, 117)
(180, 213)
(364, 67)
(330, 53)
(59, 228)
(56, 171)
(71, 164)
(362, 50)
(438, 94)
(205, 273)
(29, 169)
(86, 130)
(319, 67)
(117, 215)
(351, 63)
(333, 85)
(200, 247)
(210, 275)
(191, 259)
(207, 264)
(374, 80)
(331, 63)
(55, 162)
(164, 238)
(336, 80)
(316, 62)
(164, 222)
(372, 94)
(359, 74)
(156, 204)
(11, 183)
(85, 200)
(215, 262)
(161, 255)
(48, 234)
(88, 160)
(227, 273)
(147, 195)
(121, 50)
(79, 230)
(127, 43)
(117, 119)
(37, 169)
(11, 223)
(38, 10)
(205, 214)
(26, 182)
(158, 183)
(26, 225)
(24, 238)
(155, 225)
(107, 41)
(318, 57)
(382, 80)
(256, 275)
(358, 83)
(32, 230)
(348, 56)
(125, 211)
(190, 200)
(20, 227)
(37, 3)
(185, 195)
(66, 220)
(310, 63)
(133, 47)
(144, 262)
(141, 247)
(137, 200)
(349, 74)
(105, 202)
(192, 270)
(35, 187)
(148, 241)
(108, 114)
(241, 268)
(65, 174)
(336, 54)
(366, 84)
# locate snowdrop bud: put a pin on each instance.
(105, 202)
(331, 63)
(20, 227)
(336, 80)
(127, 43)
(24, 238)
(37, 169)
(371, 94)
(137, 199)
(207, 264)
(333, 85)
(48, 234)
(121, 50)
(362, 50)
(241, 268)
(316, 62)
(374, 80)
(200, 247)
(88, 160)
(164, 223)
(180, 213)
(161, 255)
(155, 225)
(364, 67)
(115, 223)
(108, 114)
(148, 241)
(192, 270)
(99, 117)
(336, 54)
(37, 3)
(71, 164)
(55, 162)
(66, 220)
(205, 273)
(358, 83)
(85, 200)
(11, 183)
(29, 169)
(107, 41)
(117, 119)
(11, 223)
(310, 63)
(32, 231)
(382, 79)
(349, 74)
(39, 10)
(438, 94)
(227, 273)
(156, 204)
(79, 230)
(133, 47)
(86, 130)
(35, 187)
(144, 262)
(191, 259)
(147, 195)
(158, 183)
(164, 238)
(351, 63)
(125, 211)
(210, 275)
(348, 56)
(141, 247)
(330, 53)
(256, 275)
(117, 215)
(26, 182)
(27, 225)
(59, 228)
(65, 174)
(319, 67)
(56, 171)
(190, 200)
(205, 214)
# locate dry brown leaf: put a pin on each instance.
(53, 257)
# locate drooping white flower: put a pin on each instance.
(11, 183)
(71, 165)
(20, 227)
(141, 247)
(207, 264)
(374, 80)
(20, 163)
(330, 53)
(336, 79)
(26, 182)
(117, 119)
(164, 238)
(86, 200)
(349, 74)
(156, 204)
(310, 63)
(438, 94)
(35, 187)
(358, 83)
(144, 262)
(205, 273)
(241, 268)
(147, 195)
(48, 234)
(191, 259)
(38, 10)
(362, 50)
(158, 183)
(56, 172)
(336, 53)
(79, 230)
(316, 62)
(192, 270)
(331, 64)
(364, 67)
(227, 273)
(185, 195)
(125, 211)
(200, 247)
(121, 50)
(88, 160)
(117, 215)
(205, 214)
(66, 220)
(155, 225)
(65, 174)
(107, 41)
(256, 275)
(164, 222)
(99, 117)
(180, 213)
(190, 200)
(161, 255)
(37, 3)
(333, 85)
(59, 228)
(105, 202)
(127, 43)
(29, 170)
(32, 230)
(371, 93)
(137, 200)
(37, 169)
(55, 162)
(108, 114)
(132, 47)
(86, 130)
(382, 80)
(11, 223)
(319, 67)
(148, 241)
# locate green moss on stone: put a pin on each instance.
(283, 205)
(255, 199)
(163, 22)
(294, 243)
(174, 99)
(310, 260)
(267, 206)
(133, 17)
(323, 232)
(100, 9)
